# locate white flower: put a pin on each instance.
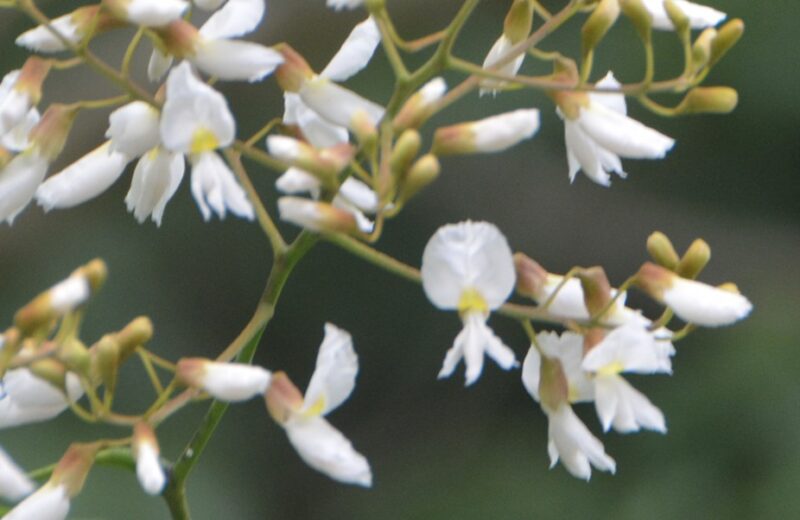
(491, 134)
(195, 121)
(50, 502)
(155, 180)
(214, 187)
(468, 267)
(499, 50)
(133, 129)
(235, 60)
(150, 13)
(318, 443)
(42, 40)
(18, 182)
(629, 348)
(602, 133)
(569, 439)
(14, 483)
(699, 16)
(16, 139)
(83, 180)
(703, 304)
(68, 294)
(232, 382)
(571, 442)
(148, 466)
(345, 4)
(24, 398)
(321, 217)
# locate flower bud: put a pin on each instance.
(419, 107)
(519, 20)
(600, 21)
(21, 91)
(678, 18)
(364, 128)
(50, 134)
(531, 277)
(639, 16)
(10, 345)
(73, 468)
(148, 467)
(52, 371)
(708, 100)
(422, 173)
(283, 399)
(75, 356)
(325, 164)
(106, 362)
(295, 69)
(570, 103)
(231, 382)
(662, 251)
(72, 27)
(553, 386)
(694, 260)
(135, 334)
(596, 289)
(317, 216)
(701, 49)
(493, 134)
(727, 36)
(404, 151)
(180, 38)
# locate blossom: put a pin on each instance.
(14, 483)
(83, 180)
(491, 134)
(554, 378)
(236, 18)
(693, 301)
(498, 51)
(14, 102)
(148, 13)
(133, 129)
(19, 180)
(629, 348)
(468, 267)
(155, 180)
(148, 467)
(700, 16)
(318, 443)
(232, 382)
(24, 398)
(71, 28)
(601, 132)
(196, 121)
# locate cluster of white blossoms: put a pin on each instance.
(469, 267)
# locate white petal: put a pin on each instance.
(14, 106)
(475, 340)
(155, 180)
(337, 104)
(236, 18)
(236, 60)
(317, 131)
(148, 469)
(191, 107)
(24, 398)
(359, 195)
(14, 483)
(295, 180)
(468, 255)
(326, 450)
(497, 133)
(568, 350)
(42, 40)
(622, 135)
(18, 183)
(583, 153)
(335, 374)
(531, 372)
(700, 16)
(234, 382)
(575, 445)
(83, 180)
(355, 52)
(705, 305)
(68, 294)
(133, 129)
(155, 13)
(214, 187)
(344, 4)
(158, 65)
(620, 405)
(615, 102)
(50, 502)
(628, 348)
(499, 50)
(16, 139)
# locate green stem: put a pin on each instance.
(244, 349)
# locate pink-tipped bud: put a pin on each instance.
(73, 468)
(596, 289)
(294, 71)
(50, 134)
(148, 467)
(283, 399)
(531, 277)
(317, 216)
(419, 107)
(493, 134)
(232, 382)
(325, 163)
(180, 38)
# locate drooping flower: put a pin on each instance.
(468, 267)
(598, 132)
(196, 121)
(554, 378)
(319, 444)
(693, 301)
(232, 382)
(14, 483)
(148, 467)
(155, 180)
(700, 16)
(629, 348)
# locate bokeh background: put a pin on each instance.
(439, 450)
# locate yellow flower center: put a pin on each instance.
(204, 140)
(611, 369)
(472, 301)
(316, 408)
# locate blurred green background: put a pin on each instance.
(439, 450)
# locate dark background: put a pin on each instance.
(439, 450)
